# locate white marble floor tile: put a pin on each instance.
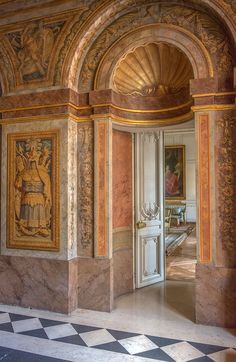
(137, 344)
(228, 355)
(182, 352)
(60, 331)
(4, 318)
(66, 351)
(95, 338)
(26, 325)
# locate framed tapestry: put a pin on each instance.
(175, 172)
(33, 191)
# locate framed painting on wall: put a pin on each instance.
(33, 191)
(175, 172)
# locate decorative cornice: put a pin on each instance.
(143, 110)
(78, 108)
(156, 122)
(39, 106)
(215, 94)
(213, 107)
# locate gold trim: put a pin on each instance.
(67, 104)
(33, 243)
(213, 107)
(174, 120)
(95, 105)
(167, 121)
(41, 118)
(142, 110)
(198, 95)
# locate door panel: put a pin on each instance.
(149, 208)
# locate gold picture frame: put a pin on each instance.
(175, 172)
(33, 212)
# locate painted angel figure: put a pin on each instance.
(33, 189)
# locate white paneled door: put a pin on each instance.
(149, 213)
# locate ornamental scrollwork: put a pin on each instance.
(199, 23)
(85, 190)
(226, 165)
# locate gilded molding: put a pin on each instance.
(39, 106)
(216, 94)
(158, 122)
(213, 107)
(101, 176)
(204, 189)
(143, 110)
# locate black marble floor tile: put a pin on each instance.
(83, 329)
(121, 335)
(162, 342)
(40, 333)
(11, 355)
(156, 354)
(7, 327)
(75, 339)
(207, 348)
(201, 359)
(49, 323)
(112, 346)
(18, 317)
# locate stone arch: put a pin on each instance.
(195, 51)
(72, 73)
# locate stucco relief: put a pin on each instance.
(7, 73)
(226, 167)
(33, 47)
(200, 24)
(85, 190)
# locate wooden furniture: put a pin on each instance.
(177, 213)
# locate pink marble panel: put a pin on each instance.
(122, 178)
(95, 284)
(38, 283)
(123, 271)
(216, 296)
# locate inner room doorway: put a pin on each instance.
(180, 204)
(139, 259)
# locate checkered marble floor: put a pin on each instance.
(123, 345)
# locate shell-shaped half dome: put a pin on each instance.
(154, 69)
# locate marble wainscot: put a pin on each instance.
(36, 278)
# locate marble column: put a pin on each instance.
(215, 115)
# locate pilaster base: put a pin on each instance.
(216, 296)
(39, 283)
(95, 284)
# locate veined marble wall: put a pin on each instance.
(68, 188)
(122, 212)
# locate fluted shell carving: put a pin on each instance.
(155, 69)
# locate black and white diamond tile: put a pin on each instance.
(122, 342)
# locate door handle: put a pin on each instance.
(141, 224)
